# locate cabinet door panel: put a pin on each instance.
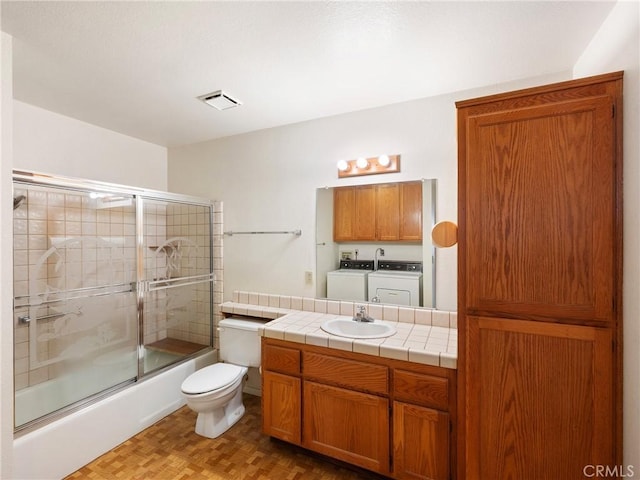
(420, 443)
(347, 425)
(344, 204)
(365, 213)
(543, 407)
(411, 211)
(281, 407)
(539, 211)
(388, 212)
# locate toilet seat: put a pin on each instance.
(212, 378)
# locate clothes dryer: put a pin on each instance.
(396, 283)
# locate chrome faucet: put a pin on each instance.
(361, 315)
(375, 257)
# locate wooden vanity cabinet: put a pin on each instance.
(388, 416)
(423, 432)
(381, 212)
(421, 442)
(346, 409)
(281, 393)
(347, 425)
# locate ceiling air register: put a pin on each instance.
(220, 100)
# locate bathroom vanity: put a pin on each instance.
(389, 416)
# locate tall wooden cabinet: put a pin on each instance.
(540, 276)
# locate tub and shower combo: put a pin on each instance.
(113, 307)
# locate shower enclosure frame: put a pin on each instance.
(141, 286)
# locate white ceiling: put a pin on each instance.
(137, 67)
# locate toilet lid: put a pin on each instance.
(211, 378)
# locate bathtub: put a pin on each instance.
(65, 445)
(106, 371)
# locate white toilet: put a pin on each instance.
(215, 392)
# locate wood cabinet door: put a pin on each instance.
(281, 406)
(344, 204)
(539, 209)
(365, 213)
(347, 425)
(354, 213)
(539, 399)
(388, 211)
(411, 211)
(420, 443)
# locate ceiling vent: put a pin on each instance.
(220, 100)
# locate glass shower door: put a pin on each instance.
(75, 304)
(177, 281)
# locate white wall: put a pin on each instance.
(51, 143)
(616, 47)
(268, 180)
(6, 258)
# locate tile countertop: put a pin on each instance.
(426, 344)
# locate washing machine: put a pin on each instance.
(396, 283)
(350, 281)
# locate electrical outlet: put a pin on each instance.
(308, 277)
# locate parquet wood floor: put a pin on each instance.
(171, 450)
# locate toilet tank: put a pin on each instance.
(239, 341)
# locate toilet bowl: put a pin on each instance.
(215, 391)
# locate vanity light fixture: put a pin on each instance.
(369, 166)
(220, 100)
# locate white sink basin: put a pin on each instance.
(344, 327)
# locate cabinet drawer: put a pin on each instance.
(281, 359)
(347, 373)
(421, 389)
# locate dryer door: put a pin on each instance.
(392, 296)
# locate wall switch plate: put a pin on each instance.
(308, 277)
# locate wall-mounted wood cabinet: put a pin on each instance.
(354, 213)
(381, 212)
(540, 276)
(388, 416)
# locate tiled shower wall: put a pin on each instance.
(65, 229)
(48, 218)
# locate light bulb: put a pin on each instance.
(384, 160)
(343, 166)
(362, 163)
